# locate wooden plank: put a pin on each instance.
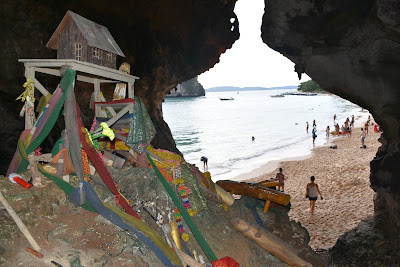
(82, 66)
(41, 88)
(118, 116)
(112, 111)
(270, 242)
(56, 72)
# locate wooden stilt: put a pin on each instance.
(266, 207)
(36, 177)
(19, 223)
(270, 242)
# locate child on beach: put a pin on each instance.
(281, 178)
(312, 192)
(363, 135)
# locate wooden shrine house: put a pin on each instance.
(89, 49)
(84, 40)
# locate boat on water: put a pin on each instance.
(231, 98)
(302, 94)
(277, 96)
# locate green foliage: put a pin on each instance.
(310, 86)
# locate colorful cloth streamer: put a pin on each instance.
(197, 234)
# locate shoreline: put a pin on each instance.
(343, 178)
(274, 164)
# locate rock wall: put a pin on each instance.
(352, 49)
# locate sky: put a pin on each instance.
(250, 62)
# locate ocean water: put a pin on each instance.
(223, 130)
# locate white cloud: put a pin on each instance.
(250, 62)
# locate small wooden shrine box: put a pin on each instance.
(84, 40)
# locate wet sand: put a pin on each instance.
(343, 178)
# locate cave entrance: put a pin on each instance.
(223, 131)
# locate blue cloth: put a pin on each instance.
(110, 215)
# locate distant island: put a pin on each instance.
(234, 88)
(310, 86)
(190, 88)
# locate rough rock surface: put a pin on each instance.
(75, 237)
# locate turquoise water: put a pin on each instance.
(223, 130)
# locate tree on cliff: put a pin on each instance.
(310, 86)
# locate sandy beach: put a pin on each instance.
(343, 178)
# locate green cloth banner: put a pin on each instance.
(65, 84)
(197, 234)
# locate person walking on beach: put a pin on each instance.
(307, 126)
(366, 127)
(314, 135)
(363, 135)
(281, 177)
(312, 192)
(328, 131)
(334, 118)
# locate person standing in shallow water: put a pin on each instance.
(314, 135)
(205, 162)
(307, 126)
(281, 177)
(312, 192)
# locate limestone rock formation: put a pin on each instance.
(189, 88)
(352, 49)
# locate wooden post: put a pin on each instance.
(29, 105)
(225, 196)
(266, 207)
(19, 223)
(131, 90)
(36, 178)
(270, 242)
(97, 95)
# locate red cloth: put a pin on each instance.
(225, 262)
(100, 167)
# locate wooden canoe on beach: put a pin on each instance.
(270, 183)
(255, 190)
